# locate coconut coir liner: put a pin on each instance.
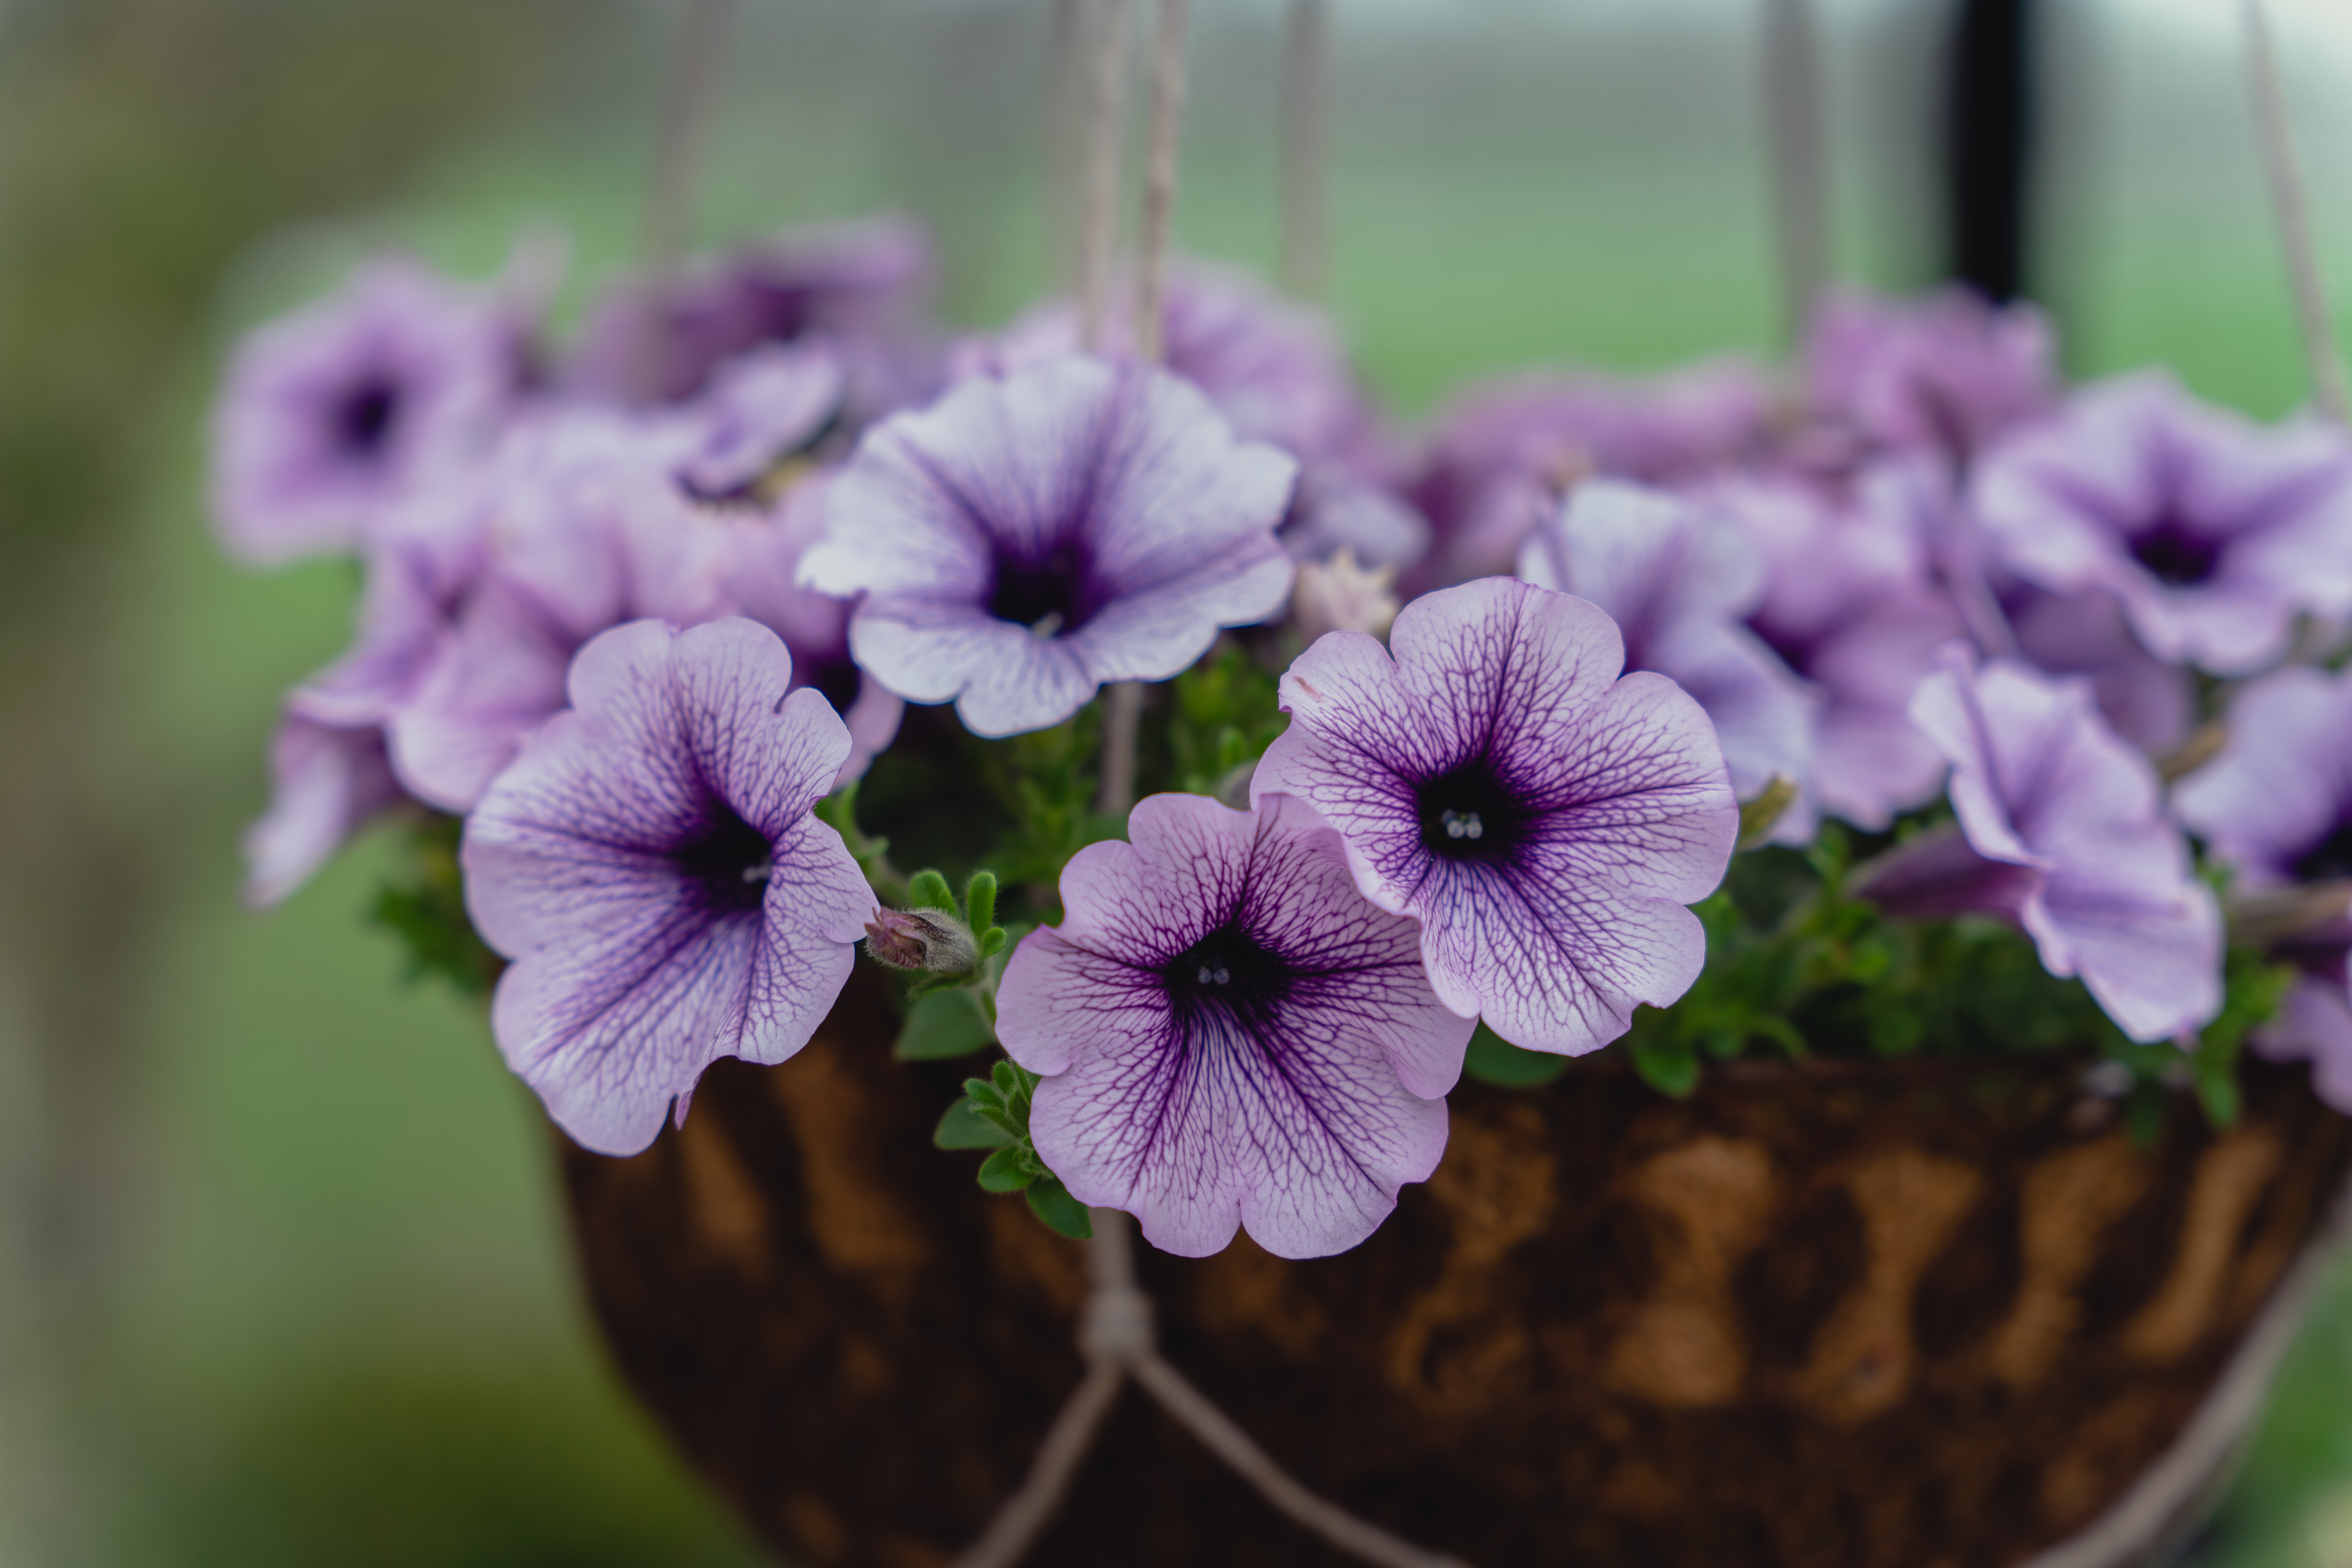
(1913, 1316)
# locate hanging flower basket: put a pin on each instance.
(1878, 1315)
(1924, 780)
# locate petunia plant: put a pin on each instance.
(1225, 772)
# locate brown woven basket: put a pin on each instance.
(1910, 1316)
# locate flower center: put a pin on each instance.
(2329, 859)
(364, 416)
(727, 862)
(1470, 812)
(1052, 594)
(1224, 982)
(2176, 557)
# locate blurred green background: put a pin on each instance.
(282, 1274)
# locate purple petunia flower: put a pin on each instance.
(587, 517)
(1506, 454)
(651, 867)
(860, 285)
(2277, 801)
(2150, 703)
(1023, 542)
(327, 783)
(1276, 370)
(586, 527)
(1677, 580)
(2212, 530)
(760, 583)
(2070, 841)
(339, 411)
(1231, 1035)
(1542, 819)
(1943, 375)
(1850, 604)
(2275, 806)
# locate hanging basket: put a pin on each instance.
(1904, 1315)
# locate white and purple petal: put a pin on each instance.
(1232, 1036)
(1544, 819)
(650, 865)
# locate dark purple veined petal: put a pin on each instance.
(1544, 819)
(1232, 1036)
(650, 865)
(1024, 541)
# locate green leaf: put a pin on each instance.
(943, 1024)
(1493, 1059)
(983, 1094)
(980, 904)
(1009, 1170)
(1051, 1201)
(929, 891)
(992, 941)
(964, 1128)
(1668, 1066)
(1010, 1080)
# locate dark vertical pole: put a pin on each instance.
(1989, 146)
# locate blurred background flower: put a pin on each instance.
(282, 1276)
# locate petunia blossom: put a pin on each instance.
(327, 781)
(651, 866)
(338, 412)
(860, 286)
(2212, 531)
(2074, 845)
(1942, 374)
(760, 583)
(1545, 820)
(1505, 454)
(1230, 1036)
(1024, 541)
(1678, 579)
(2275, 806)
(589, 521)
(1850, 604)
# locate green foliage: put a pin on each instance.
(994, 1114)
(423, 904)
(929, 891)
(944, 1025)
(1052, 1203)
(1046, 780)
(1222, 714)
(1493, 1059)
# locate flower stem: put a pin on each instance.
(685, 118)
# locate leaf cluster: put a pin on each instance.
(994, 1114)
(423, 904)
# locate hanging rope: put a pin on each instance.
(1800, 156)
(1117, 1337)
(1160, 179)
(1106, 138)
(1066, 85)
(1306, 110)
(685, 119)
(2290, 203)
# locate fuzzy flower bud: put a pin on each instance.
(921, 939)
(1338, 595)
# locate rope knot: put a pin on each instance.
(1117, 1325)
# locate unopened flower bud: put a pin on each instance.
(921, 939)
(1338, 595)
